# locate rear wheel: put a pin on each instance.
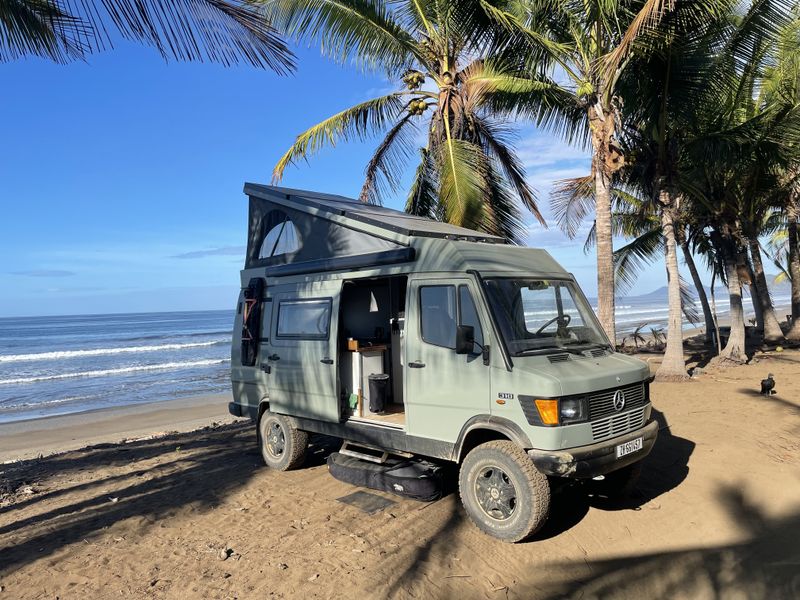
(502, 492)
(282, 446)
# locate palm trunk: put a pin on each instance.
(734, 350)
(772, 329)
(701, 292)
(605, 161)
(758, 314)
(605, 254)
(714, 312)
(793, 214)
(673, 366)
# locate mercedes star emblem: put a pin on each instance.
(619, 400)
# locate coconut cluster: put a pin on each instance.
(413, 80)
(417, 107)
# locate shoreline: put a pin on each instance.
(43, 436)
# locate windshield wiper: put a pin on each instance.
(570, 348)
(546, 350)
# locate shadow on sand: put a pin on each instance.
(765, 565)
(664, 469)
(151, 480)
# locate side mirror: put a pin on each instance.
(465, 339)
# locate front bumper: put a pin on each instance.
(594, 460)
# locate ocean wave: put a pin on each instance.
(9, 405)
(119, 371)
(61, 354)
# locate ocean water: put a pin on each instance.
(60, 365)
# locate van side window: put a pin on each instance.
(304, 319)
(468, 313)
(281, 238)
(438, 314)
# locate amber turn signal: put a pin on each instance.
(548, 411)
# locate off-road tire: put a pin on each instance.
(282, 446)
(531, 490)
(620, 484)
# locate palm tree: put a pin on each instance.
(735, 162)
(462, 81)
(782, 86)
(224, 31)
(685, 91)
(595, 40)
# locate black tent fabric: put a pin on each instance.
(335, 230)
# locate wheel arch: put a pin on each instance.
(486, 428)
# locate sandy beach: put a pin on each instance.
(49, 435)
(197, 515)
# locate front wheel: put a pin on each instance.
(282, 446)
(502, 492)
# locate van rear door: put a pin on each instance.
(249, 380)
(301, 352)
(443, 389)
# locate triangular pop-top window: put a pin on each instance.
(281, 239)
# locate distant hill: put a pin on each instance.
(660, 295)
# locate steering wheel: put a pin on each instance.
(566, 319)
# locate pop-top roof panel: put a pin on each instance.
(380, 216)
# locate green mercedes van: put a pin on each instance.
(406, 336)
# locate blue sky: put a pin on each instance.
(121, 179)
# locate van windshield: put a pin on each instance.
(538, 316)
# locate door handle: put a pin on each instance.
(416, 365)
(326, 361)
(266, 368)
(273, 357)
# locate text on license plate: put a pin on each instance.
(629, 447)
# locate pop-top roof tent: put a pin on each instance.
(296, 231)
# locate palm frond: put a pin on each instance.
(633, 257)
(363, 31)
(42, 28)
(223, 31)
(496, 146)
(388, 161)
(358, 122)
(571, 201)
(687, 303)
(501, 214)
(462, 168)
(422, 199)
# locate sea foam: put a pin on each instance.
(61, 354)
(106, 372)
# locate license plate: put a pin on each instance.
(629, 447)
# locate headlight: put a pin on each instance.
(572, 410)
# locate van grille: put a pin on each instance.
(617, 424)
(602, 403)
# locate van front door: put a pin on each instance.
(443, 389)
(301, 360)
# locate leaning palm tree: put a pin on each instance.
(461, 82)
(224, 31)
